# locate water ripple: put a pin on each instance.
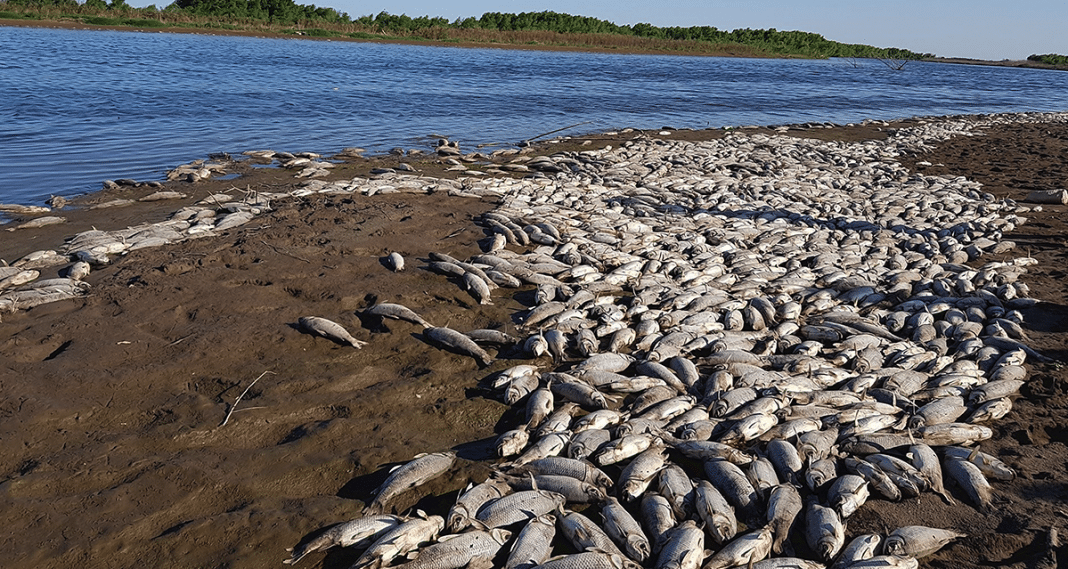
(79, 107)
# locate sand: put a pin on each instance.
(111, 449)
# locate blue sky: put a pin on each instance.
(981, 29)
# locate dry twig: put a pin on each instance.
(234, 406)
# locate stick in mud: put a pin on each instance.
(238, 400)
(555, 131)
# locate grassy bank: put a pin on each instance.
(530, 30)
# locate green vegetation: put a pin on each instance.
(1050, 59)
(527, 28)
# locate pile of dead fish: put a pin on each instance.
(750, 338)
(22, 288)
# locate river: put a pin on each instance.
(78, 107)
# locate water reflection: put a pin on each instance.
(79, 107)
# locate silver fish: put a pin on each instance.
(971, 481)
(472, 499)
(458, 342)
(394, 262)
(354, 532)
(573, 489)
(715, 511)
(533, 545)
(824, 531)
(640, 472)
(472, 549)
(399, 541)
(517, 507)
(330, 330)
(683, 547)
(422, 469)
(586, 535)
(657, 518)
(625, 531)
(784, 505)
(397, 312)
(590, 560)
(735, 487)
(847, 494)
(989, 465)
(925, 460)
(918, 541)
(862, 547)
(744, 550)
(556, 465)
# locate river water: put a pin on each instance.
(78, 107)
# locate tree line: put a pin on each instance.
(805, 44)
(790, 43)
(1050, 59)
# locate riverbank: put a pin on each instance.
(668, 48)
(571, 43)
(111, 404)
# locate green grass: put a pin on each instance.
(5, 15)
(143, 23)
(102, 21)
(320, 33)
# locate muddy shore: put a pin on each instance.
(112, 452)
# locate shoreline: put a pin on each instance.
(56, 24)
(113, 401)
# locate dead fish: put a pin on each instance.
(78, 271)
(519, 506)
(786, 563)
(625, 530)
(585, 535)
(589, 560)
(824, 530)
(394, 262)
(472, 499)
(683, 548)
(732, 482)
(397, 312)
(847, 494)
(512, 442)
(457, 342)
(784, 505)
(745, 550)
(424, 468)
(862, 547)
(989, 465)
(971, 481)
(329, 329)
(925, 460)
(573, 489)
(918, 541)
(40, 222)
(657, 518)
(471, 549)
(641, 471)
(477, 287)
(557, 465)
(492, 337)
(353, 532)
(400, 541)
(885, 562)
(533, 545)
